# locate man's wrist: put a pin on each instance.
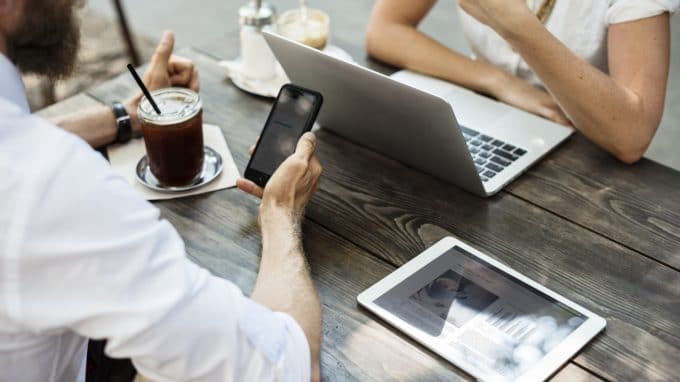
(124, 125)
(281, 233)
(275, 217)
(131, 108)
(277, 222)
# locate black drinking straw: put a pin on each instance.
(144, 89)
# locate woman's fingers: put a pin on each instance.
(551, 110)
(555, 114)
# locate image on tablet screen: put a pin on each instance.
(486, 317)
(453, 298)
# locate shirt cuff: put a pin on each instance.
(625, 11)
(299, 353)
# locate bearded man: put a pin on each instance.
(83, 256)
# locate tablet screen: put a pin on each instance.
(486, 317)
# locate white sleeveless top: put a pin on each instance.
(580, 24)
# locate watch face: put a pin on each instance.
(124, 130)
(124, 133)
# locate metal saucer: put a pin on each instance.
(212, 167)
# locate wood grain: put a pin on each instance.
(69, 105)
(394, 212)
(573, 373)
(637, 206)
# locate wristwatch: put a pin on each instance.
(123, 122)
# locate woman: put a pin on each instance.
(599, 65)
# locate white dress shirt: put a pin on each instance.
(83, 256)
(579, 24)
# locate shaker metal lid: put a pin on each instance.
(257, 13)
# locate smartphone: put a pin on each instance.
(292, 115)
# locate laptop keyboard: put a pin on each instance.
(491, 155)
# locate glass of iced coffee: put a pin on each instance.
(306, 25)
(173, 139)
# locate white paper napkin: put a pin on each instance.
(124, 159)
(265, 88)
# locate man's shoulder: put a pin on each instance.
(54, 179)
(30, 133)
(34, 152)
(25, 133)
(28, 157)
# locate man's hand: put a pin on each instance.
(501, 15)
(166, 69)
(521, 94)
(293, 183)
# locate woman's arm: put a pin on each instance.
(393, 37)
(621, 111)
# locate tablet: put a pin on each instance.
(480, 315)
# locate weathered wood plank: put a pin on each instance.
(637, 206)
(69, 105)
(395, 212)
(573, 373)
(120, 87)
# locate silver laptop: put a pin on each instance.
(409, 117)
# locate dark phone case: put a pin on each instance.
(261, 178)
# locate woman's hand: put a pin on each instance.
(505, 16)
(521, 94)
(500, 15)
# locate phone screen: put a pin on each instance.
(289, 119)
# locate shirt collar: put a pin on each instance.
(11, 86)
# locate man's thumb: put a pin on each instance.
(164, 50)
(306, 146)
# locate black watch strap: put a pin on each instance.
(123, 122)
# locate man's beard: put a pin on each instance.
(47, 41)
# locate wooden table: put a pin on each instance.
(599, 232)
